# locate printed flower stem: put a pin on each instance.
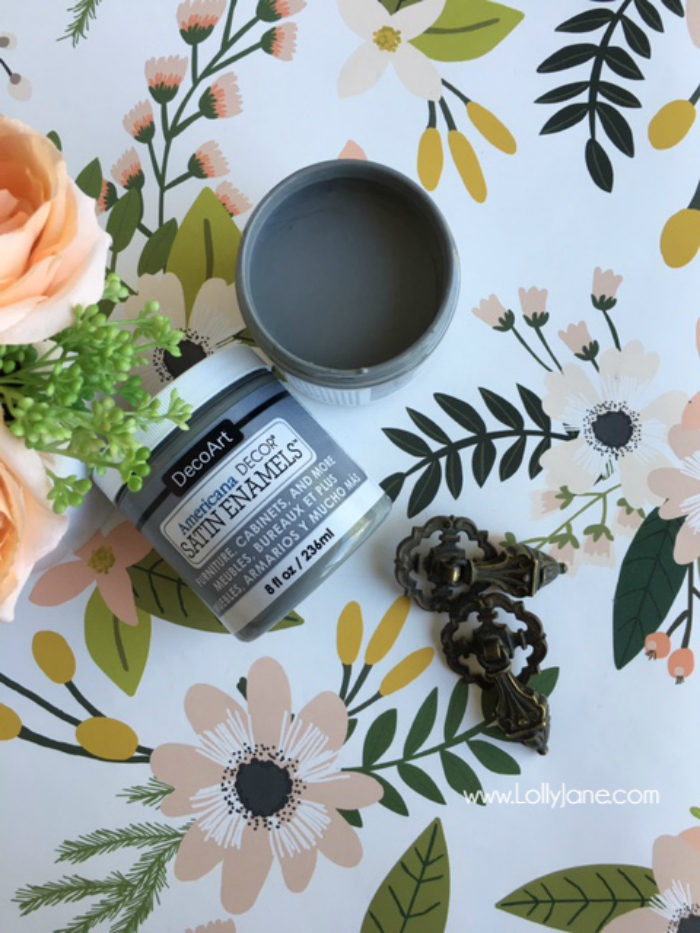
(240, 55)
(593, 498)
(229, 23)
(447, 114)
(195, 55)
(187, 123)
(6, 67)
(598, 68)
(613, 331)
(154, 162)
(677, 623)
(177, 181)
(456, 91)
(144, 229)
(345, 683)
(689, 623)
(40, 701)
(37, 739)
(529, 349)
(548, 348)
(358, 709)
(364, 673)
(83, 700)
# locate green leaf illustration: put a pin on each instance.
(454, 475)
(55, 139)
(502, 409)
(393, 485)
(565, 92)
(124, 219)
(206, 246)
(422, 725)
(415, 895)
(622, 63)
(511, 459)
(636, 38)
(353, 817)
(408, 442)
(426, 488)
(618, 95)
(119, 650)
(675, 6)
(462, 412)
(465, 31)
(90, 179)
(616, 127)
(599, 165)
(647, 587)
(456, 709)
(565, 118)
(534, 409)
(160, 590)
(379, 737)
(428, 426)
(588, 21)
(648, 12)
(392, 799)
(535, 466)
(483, 459)
(420, 782)
(583, 899)
(460, 776)
(493, 758)
(155, 253)
(569, 57)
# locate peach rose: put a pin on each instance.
(52, 250)
(29, 528)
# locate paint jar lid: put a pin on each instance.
(197, 386)
(347, 276)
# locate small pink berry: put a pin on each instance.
(681, 664)
(657, 645)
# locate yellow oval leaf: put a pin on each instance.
(388, 631)
(54, 656)
(407, 671)
(105, 738)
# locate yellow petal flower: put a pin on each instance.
(431, 158)
(107, 738)
(671, 124)
(54, 656)
(407, 671)
(680, 238)
(10, 723)
(467, 165)
(388, 631)
(491, 128)
(350, 629)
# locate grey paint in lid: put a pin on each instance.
(347, 275)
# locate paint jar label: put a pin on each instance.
(263, 514)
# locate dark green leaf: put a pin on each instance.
(503, 410)
(618, 95)
(534, 409)
(453, 473)
(569, 57)
(90, 179)
(460, 776)
(428, 426)
(426, 488)
(392, 799)
(583, 899)
(462, 412)
(483, 459)
(155, 253)
(649, 14)
(393, 485)
(618, 129)
(511, 459)
(622, 63)
(353, 817)
(675, 6)
(636, 37)
(55, 139)
(588, 21)
(647, 587)
(352, 725)
(456, 709)
(160, 590)
(599, 165)
(408, 442)
(291, 620)
(535, 466)
(545, 681)
(565, 92)
(124, 219)
(422, 725)
(379, 737)
(415, 895)
(565, 118)
(493, 758)
(420, 782)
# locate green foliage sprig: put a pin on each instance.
(66, 396)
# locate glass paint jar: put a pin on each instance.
(255, 504)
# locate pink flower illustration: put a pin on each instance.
(263, 785)
(140, 122)
(233, 200)
(628, 521)
(533, 302)
(104, 560)
(605, 284)
(271, 10)
(164, 77)
(216, 926)
(127, 170)
(576, 337)
(208, 161)
(599, 550)
(222, 99)
(567, 554)
(352, 150)
(197, 19)
(544, 502)
(491, 311)
(676, 865)
(680, 487)
(107, 198)
(281, 41)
